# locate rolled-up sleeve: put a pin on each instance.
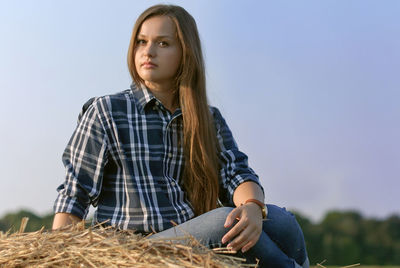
(234, 163)
(84, 159)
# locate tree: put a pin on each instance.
(12, 221)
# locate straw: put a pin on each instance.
(77, 246)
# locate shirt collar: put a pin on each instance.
(143, 96)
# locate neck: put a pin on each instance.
(164, 93)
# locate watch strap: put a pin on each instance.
(260, 204)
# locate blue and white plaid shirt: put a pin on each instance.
(124, 158)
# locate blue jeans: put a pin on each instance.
(281, 243)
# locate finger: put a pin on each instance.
(248, 246)
(237, 229)
(250, 234)
(242, 238)
(252, 241)
(231, 217)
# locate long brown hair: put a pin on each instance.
(200, 146)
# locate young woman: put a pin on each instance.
(157, 154)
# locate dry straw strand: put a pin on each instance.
(100, 246)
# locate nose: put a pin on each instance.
(150, 50)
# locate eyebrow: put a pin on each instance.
(158, 37)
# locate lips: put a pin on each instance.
(148, 65)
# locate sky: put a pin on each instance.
(310, 90)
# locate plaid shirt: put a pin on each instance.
(124, 158)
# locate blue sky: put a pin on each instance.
(310, 89)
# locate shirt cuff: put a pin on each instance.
(239, 179)
(67, 204)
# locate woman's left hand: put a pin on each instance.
(247, 230)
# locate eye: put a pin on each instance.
(163, 44)
(141, 42)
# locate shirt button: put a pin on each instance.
(169, 155)
(183, 212)
(173, 183)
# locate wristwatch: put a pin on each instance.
(261, 205)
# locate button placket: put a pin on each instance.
(156, 105)
(169, 142)
(166, 130)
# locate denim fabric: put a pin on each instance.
(281, 243)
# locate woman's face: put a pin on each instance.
(158, 51)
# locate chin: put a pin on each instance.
(148, 77)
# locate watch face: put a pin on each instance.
(264, 213)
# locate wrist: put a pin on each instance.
(260, 204)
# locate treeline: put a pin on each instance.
(341, 238)
(11, 222)
(345, 237)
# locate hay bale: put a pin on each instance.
(77, 246)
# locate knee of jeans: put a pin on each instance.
(220, 214)
(217, 230)
(285, 221)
